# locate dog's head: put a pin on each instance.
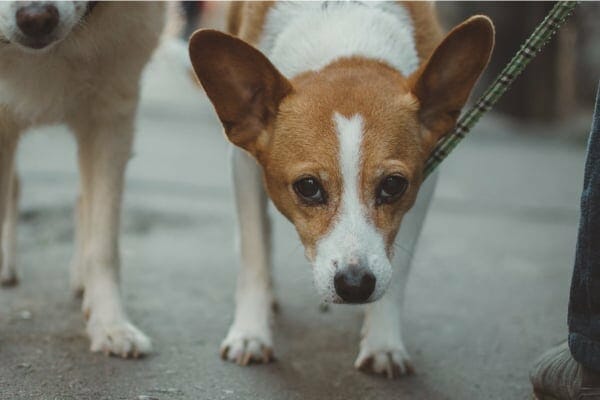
(342, 148)
(38, 25)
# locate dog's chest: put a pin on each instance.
(38, 90)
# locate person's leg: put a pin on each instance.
(584, 303)
(571, 370)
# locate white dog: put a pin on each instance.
(78, 63)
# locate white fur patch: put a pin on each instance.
(352, 235)
(303, 36)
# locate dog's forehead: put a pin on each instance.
(306, 128)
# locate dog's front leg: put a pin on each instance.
(9, 136)
(249, 337)
(382, 350)
(104, 144)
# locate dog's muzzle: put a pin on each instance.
(37, 23)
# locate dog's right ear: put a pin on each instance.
(243, 85)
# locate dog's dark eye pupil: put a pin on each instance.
(309, 189)
(391, 188)
(392, 185)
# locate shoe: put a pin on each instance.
(557, 376)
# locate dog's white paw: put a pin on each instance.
(118, 337)
(392, 363)
(244, 349)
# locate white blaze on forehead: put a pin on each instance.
(350, 139)
(352, 235)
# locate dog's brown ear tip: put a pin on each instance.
(482, 23)
(204, 38)
(198, 37)
(480, 29)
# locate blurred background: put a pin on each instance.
(489, 284)
(560, 82)
(557, 88)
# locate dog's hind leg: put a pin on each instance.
(104, 143)
(382, 349)
(77, 262)
(8, 274)
(9, 137)
(249, 338)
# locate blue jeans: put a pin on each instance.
(584, 302)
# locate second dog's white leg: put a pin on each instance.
(381, 349)
(9, 137)
(249, 338)
(104, 149)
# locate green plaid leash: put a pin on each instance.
(532, 46)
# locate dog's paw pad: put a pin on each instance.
(245, 351)
(121, 339)
(392, 363)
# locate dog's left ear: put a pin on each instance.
(443, 84)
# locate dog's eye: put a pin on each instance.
(391, 188)
(310, 190)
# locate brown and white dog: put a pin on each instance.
(340, 103)
(78, 63)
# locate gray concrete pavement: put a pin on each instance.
(487, 294)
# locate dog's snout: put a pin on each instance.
(354, 284)
(37, 21)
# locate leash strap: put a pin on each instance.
(532, 46)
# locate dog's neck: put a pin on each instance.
(305, 36)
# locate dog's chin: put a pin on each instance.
(33, 46)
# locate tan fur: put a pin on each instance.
(428, 32)
(247, 18)
(89, 81)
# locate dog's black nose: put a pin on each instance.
(37, 20)
(354, 284)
